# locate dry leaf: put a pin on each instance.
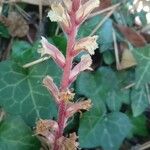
(18, 26)
(127, 59)
(135, 38)
(104, 4)
(146, 36)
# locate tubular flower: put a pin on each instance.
(46, 130)
(59, 14)
(76, 107)
(87, 44)
(68, 5)
(68, 143)
(53, 89)
(84, 64)
(49, 49)
(86, 9)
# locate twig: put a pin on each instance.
(29, 38)
(22, 12)
(35, 62)
(104, 10)
(148, 93)
(102, 22)
(116, 49)
(142, 147)
(40, 17)
(8, 49)
(129, 86)
(57, 30)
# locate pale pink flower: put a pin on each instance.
(84, 64)
(86, 9)
(59, 14)
(77, 107)
(51, 86)
(68, 4)
(46, 130)
(87, 44)
(49, 49)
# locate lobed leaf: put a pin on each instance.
(22, 92)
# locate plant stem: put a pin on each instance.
(65, 80)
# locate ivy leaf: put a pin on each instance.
(142, 56)
(61, 43)
(139, 101)
(22, 92)
(21, 52)
(15, 134)
(139, 125)
(102, 85)
(108, 131)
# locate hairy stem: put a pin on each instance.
(65, 80)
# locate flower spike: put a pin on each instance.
(48, 82)
(84, 64)
(49, 49)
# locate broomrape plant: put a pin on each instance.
(70, 14)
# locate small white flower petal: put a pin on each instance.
(54, 17)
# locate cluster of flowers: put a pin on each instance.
(70, 14)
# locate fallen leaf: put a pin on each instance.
(127, 59)
(18, 25)
(135, 38)
(104, 4)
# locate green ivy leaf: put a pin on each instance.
(61, 43)
(108, 57)
(103, 86)
(139, 125)
(21, 52)
(108, 131)
(142, 56)
(139, 101)
(15, 134)
(22, 92)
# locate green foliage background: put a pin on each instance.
(107, 124)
